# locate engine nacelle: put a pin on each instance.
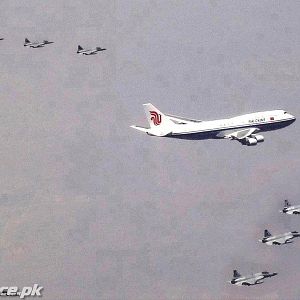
(260, 138)
(251, 141)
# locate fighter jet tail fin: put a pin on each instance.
(236, 274)
(267, 233)
(27, 40)
(79, 48)
(287, 203)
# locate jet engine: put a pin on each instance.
(251, 141)
(260, 138)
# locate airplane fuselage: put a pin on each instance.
(264, 121)
(280, 239)
(292, 210)
(248, 280)
(252, 279)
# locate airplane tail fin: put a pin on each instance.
(156, 117)
(267, 233)
(160, 124)
(286, 203)
(79, 48)
(27, 40)
(98, 48)
(236, 274)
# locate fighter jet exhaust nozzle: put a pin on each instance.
(267, 274)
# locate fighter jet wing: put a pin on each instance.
(250, 281)
(181, 120)
(281, 240)
(89, 52)
(37, 45)
(241, 134)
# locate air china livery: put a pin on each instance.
(243, 128)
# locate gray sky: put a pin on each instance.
(93, 209)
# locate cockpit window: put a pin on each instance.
(285, 112)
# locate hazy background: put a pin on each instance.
(92, 209)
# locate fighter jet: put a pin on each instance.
(82, 51)
(289, 209)
(280, 239)
(243, 128)
(36, 44)
(252, 279)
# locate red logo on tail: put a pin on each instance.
(155, 117)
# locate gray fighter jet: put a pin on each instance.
(36, 44)
(290, 209)
(280, 239)
(82, 51)
(252, 279)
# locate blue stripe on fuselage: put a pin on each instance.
(211, 133)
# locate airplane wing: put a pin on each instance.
(181, 120)
(37, 45)
(89, 52)
(283, 240)
(241, 134)
(250, 281)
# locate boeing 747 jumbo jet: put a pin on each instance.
(252, 279)
(242, 128)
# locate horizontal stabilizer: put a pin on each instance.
(140, 128)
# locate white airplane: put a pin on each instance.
(36, 44)
(252, 279)
(82, 51)
(242, 128)
(280, 239)
(290, 209)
